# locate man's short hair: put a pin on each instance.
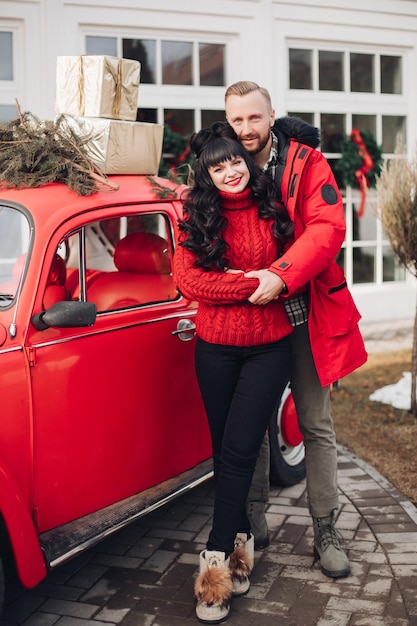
(243, 87)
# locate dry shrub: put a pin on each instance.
(397, 209)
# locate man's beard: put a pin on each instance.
(260, 144)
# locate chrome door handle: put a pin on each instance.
(185, 330)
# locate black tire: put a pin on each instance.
(1, 588)
(287, 465)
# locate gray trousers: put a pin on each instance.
(313, 409)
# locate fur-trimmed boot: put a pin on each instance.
(241, 563)
(213, 587)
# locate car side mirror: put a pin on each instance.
(66, 314)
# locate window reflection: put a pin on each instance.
(391, 75)
(365, 123)
(336, 173)
(391, 268)
(364, 228)
(180, 120)
(306, 117)
(331, 71)
(101, 45)
(332, 131)
(147, 115)
(6, 56)
(176, 62)
(211, 58)
(144, 51)
(364, 264)
(209, 117)
(362, 72)
(14, 243)
(7, 112)
(301, 70)
(393, 128)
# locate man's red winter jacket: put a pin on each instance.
(312, 198)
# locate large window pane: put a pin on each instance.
(8, 112)
(6, 56)
(364, 264)
(144, 51)
(211, 57)
(332, 131)
(391, 75)
(362, 72)
(147, 115)
(331, 71)
(301, 70)
(177, 62)
(365, 123)
(364, 228)
(306, 117)
(391, 269)
(336, 173)
(209, 117)
(101, 45)
(180, 120)
(393, 127)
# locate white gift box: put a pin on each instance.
(121, 147)
(97, 86)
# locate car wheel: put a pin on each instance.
(1, 588)
(287, 466)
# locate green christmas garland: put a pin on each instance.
(352, 161)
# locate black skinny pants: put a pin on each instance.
(240, 387)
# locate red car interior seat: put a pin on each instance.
(143, 275)
(56, 289)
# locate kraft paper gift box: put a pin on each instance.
(120, 147)
(97, 86)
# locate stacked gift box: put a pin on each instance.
(99, 96)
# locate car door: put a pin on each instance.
(116, 406)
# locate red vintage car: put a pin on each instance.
(101, 416)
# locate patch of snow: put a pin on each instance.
(398, 395)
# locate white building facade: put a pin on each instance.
(338, 65)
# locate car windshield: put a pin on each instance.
(14, 244)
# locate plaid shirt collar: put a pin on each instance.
(271, 163)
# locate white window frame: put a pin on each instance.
(159, 96)
(348, 103)
(12, 90)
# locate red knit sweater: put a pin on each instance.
(224, 314)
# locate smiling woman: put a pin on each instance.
(232, 226)
(231, 175)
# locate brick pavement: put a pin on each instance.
(143, 575)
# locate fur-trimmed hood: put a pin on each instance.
(295, 128)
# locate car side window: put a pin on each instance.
(128, 262)
(15, 234)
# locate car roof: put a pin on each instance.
(57, 198)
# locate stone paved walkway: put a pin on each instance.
(143, 576)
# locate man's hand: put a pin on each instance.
(269, 288)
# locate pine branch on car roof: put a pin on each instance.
(34, 153)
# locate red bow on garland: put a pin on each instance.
(361, 173)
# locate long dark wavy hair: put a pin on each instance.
(203, 224)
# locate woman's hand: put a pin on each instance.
(269, 288)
